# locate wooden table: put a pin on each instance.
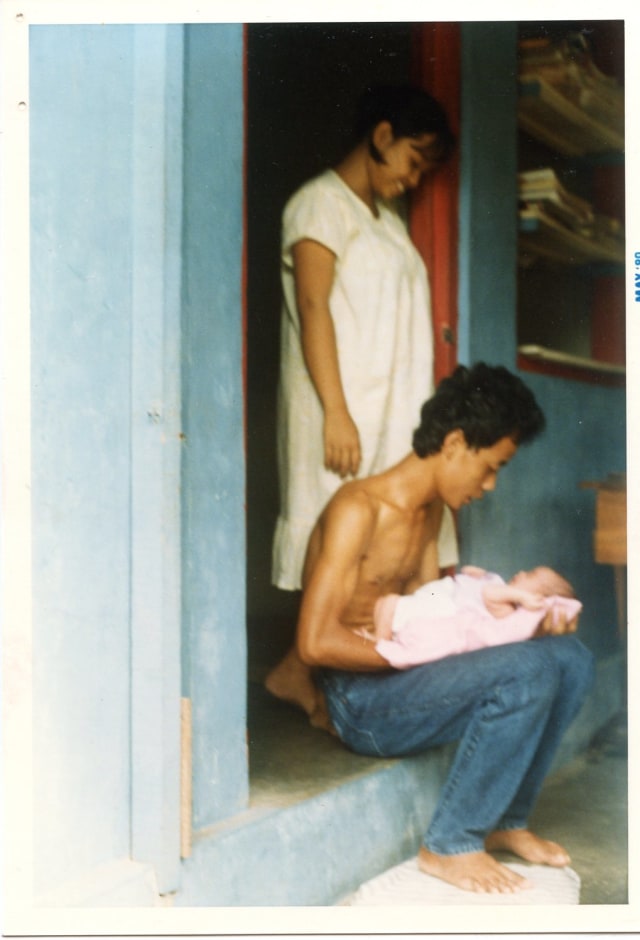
(610, 535)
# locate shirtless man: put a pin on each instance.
(508, 706)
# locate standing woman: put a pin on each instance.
(356, 335)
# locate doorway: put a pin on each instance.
(303, 82)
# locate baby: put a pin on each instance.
(468, 611)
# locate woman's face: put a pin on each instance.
(405, 161)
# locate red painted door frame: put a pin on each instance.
(435, 66)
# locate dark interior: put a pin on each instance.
(303, 82)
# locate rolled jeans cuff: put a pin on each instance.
(510, 825)
(462, 848)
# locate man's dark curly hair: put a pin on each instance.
(487, 403)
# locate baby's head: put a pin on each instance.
(543, 580)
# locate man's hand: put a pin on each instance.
(555, 623)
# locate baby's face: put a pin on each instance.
(539, 580)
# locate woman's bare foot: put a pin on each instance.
(473, 871)
(528, 846)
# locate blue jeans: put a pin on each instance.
(508, 706)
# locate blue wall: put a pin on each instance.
(81, 316)
(138, 459)
(538, 513)
(214, 559)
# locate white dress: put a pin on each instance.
(380, 306)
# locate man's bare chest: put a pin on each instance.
(394, 553)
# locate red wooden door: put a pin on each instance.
(434, 208)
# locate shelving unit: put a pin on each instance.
(555, 120)
(560, 262)
(541, 235)
(554, 357)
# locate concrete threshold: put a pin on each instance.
(317, 850)
(322, 821)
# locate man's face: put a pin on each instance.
(467, 473)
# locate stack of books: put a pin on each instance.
(568, 66)
(541, 193)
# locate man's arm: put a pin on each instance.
(473, 571)
(322, 639)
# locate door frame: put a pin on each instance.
(435, 54)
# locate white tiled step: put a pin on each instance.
(405, 884)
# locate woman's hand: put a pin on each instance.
(314, 270)
(342, 453)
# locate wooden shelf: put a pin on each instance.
(545, 237)
(552, 118)
(555, 357)
(571, 275)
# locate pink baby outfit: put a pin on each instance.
(448, 616)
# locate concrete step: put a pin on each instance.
(322, 821)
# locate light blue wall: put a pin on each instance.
(138, 459)
(538, 514)
(81, 322)
(137, 374)
(214, 558)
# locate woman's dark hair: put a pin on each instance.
(486, 403)
(411, 112)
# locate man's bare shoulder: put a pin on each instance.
(354, 502)
(346, 525)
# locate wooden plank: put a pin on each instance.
(552, 118)
(610, 537)
(542, 235)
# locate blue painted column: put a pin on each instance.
(156, 220)
(213, 469)
(488, 193)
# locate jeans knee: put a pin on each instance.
(585, 664)
(536, 677)
(576, 663)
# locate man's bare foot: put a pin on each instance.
(473, 871)
(319, 717)
(528, 846)
(291, 681)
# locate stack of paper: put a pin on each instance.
(541, 189)
(569, 67)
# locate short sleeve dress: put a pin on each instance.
(381, 310)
